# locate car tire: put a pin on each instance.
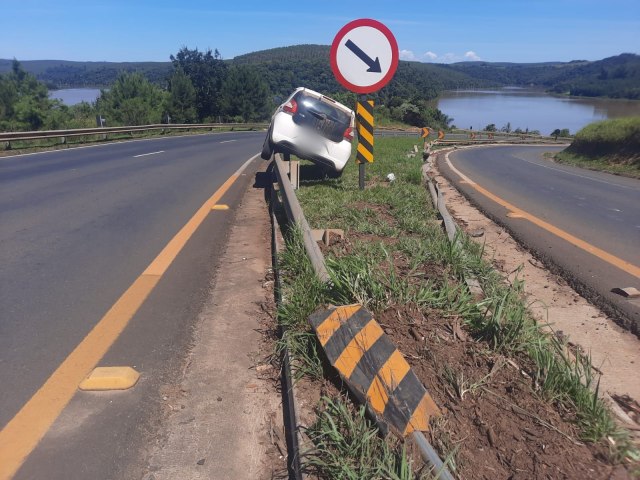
(267, 147)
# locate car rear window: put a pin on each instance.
(321, 116)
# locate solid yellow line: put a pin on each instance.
(519, 213)
(160, 264)
(21, 435)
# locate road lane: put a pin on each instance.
(78, 226)
(600, 209)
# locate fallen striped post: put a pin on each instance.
(375, 371)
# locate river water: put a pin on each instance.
(73, 96)
(531, 109)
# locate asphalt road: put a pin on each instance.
(77, 227)
(598, 208)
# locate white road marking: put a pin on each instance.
(228, 141)
(145, 154)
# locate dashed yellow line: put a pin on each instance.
(23, 432)
(516, 212)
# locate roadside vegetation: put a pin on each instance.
(610, 145)
(492, 368)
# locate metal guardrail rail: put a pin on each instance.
(464, 136)
(76, 132)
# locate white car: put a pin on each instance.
(314, 127)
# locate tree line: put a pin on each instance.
(201, 87)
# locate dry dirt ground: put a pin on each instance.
(224, 419)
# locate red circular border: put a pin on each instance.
(364, 22)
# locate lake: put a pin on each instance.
(72, 96)
(532, 109)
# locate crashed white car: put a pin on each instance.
(314, 127)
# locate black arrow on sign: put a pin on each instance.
(374, 65)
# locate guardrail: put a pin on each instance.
(296, 215)
(8, 137)
(472, 137)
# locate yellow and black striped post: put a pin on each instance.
(374, 370)
(364, 119)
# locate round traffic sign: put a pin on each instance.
(364, 56)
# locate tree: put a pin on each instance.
(244, 95)
(491, 128)
(506, 128)
(182, 98)
(24, 101)
(207, 72)
(132, 100)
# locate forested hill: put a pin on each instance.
(308, 65)
(69, 74)
(616, 77)
(289, 67)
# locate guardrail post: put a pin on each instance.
(7, 145)
(294, 174)
(63, 141)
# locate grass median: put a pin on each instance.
(397, 262)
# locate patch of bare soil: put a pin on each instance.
(492, 417)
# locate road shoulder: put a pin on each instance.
(222, 409)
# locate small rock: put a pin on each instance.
(476, 233)
(391, 177)
(219, 399)
(201, 461)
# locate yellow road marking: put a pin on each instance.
(23, 432)
(516, 212)
(110, 378)
(220, 207)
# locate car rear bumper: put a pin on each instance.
(288, 137)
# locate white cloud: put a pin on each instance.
(430, 56)
(449, 57)
(407, 55)
(471, 55)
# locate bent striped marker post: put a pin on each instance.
(374, 370)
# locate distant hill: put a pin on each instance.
(286, 68)
(70, 74)
(615, 77)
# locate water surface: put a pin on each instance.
(532, 109)
(73, 96)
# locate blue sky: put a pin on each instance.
(445, 31)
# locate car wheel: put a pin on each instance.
(267, 147)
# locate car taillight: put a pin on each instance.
(290, 107)
(348, 134)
